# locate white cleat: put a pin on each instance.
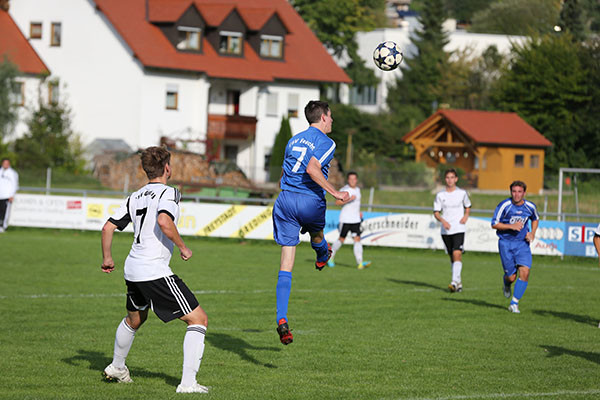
(514, 308)
(113, 374)
(195, 388)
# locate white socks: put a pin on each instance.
(193, 348)
(123, 341)
(335, 247)
(358, 252)
(456, 270)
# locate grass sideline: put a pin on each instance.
(389, 332)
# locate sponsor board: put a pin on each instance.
(579, 240)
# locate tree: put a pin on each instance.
(8, 112)
(278, 150)
(571, 19)
(424, 70)
(517, 17)
(546, 83)
(464, 10)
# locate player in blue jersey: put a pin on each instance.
(510, 221)
(301, 204)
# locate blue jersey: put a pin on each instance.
(508, 213)
(298, 152)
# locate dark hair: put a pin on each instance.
(450, 171)
(5, 159)
(519, 183)
(351, 173)
(154, 160)
(314, 109)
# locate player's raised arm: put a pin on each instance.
(108, 230)
(314, 170)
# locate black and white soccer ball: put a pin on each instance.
(387, 56)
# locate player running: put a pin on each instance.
(301, 204)
(154, 211)
(454, 205)
(510, 221)
(350, 220)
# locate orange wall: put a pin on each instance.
(501, 171)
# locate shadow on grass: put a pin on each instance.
(98, 361)
(556, 351)
(479, 303)
(583, 319)
(417, 283)
(239, 347)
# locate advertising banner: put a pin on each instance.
(580, 236)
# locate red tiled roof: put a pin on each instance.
(255, 18)
(491, 127)
(305, 57)
(17, 49)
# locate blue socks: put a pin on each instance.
(520, 287)
(320, 249)
(284, 286)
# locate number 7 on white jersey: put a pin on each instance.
(302, 151)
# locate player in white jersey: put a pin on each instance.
(451, 207)
(350, 220)
(9, 184)
(154, 210)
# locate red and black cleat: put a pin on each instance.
(285, 335)
(320, 264)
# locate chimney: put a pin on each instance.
(4, 5)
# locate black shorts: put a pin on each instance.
(354, 228)
(454, 242)
(169, 297)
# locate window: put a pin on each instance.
(53, 93)
(519, 160)
(55, 34)
(271, 46)
(189, 38)
(363, 95)
(18, 93)
(230, 42)
(483, 163)
(172, 97)
(293, 105)
(272, 105)
(231, 153)
(35, 30)
(534, 161)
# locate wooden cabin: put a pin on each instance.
(493, 148)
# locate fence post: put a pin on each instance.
(371, 194)
(48, 180)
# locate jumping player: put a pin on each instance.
(510, 221)
(454, 205)
(350, 220)
(154, 211)
(301, 204)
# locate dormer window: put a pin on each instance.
(230, 42)
(270, 46)
(188, 38)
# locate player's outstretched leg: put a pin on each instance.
(358, 255)
(284, 287)
(323, 251)
(193, 350)
(117, 371)
(334, 249)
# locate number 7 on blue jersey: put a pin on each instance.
(302, 151)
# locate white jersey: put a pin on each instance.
(151, 250)
(452, 206)
(350, 213)
(9, 183)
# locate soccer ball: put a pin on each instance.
(387, 56)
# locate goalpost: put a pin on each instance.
(560, 185)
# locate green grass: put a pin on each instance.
(389, 332)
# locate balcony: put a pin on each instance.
(231, 127)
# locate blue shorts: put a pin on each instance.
(293, 211)
(514, 253)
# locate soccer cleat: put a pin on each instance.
(506, 291)
(364, 264)
(320, 264)
(195, 388)
(453, 287)
(514, 308)
(284, 332)
(459, 288)
(113, 374)
(330, 264)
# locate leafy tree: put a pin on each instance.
(517, 17)
(278, 150)
(590, 123)
(8, 112)
(546, 83)
(463, 10)
(571, 19)
(424, 70)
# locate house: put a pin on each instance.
(493, 148)
(15, 49)
(216, 76)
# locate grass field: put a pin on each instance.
(389, 332)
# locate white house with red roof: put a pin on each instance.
(15, 48)
(215, 75)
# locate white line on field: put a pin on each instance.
(510, 395)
